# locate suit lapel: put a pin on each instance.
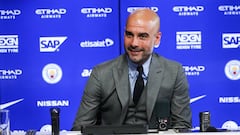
(120, 76)
(155, 77)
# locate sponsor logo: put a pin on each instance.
(193, 70)
(51, 44)
(92, 12)
(192, 100)
(99, 43)
(86, 72)
(188, 10)
(230, 125)
(46, 128)
(8, 43)
(188, 40)
(52, 103)
(11, 103)
(231, 40)
(10, 74)
(52, 73)
(232, 70)
(51, 13)
(229, 99)
(229, 9)
(9, 14)
(131, 9)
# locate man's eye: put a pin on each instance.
(143, 36)
(128, 34)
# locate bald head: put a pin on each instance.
(145, 15)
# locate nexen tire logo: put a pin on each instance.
(8, 43)
(189, 40)
(51, 44)
(231, 40)
(104, 43)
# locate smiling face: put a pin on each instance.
(141, 34)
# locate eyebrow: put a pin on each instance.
(139, 34)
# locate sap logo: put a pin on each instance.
(11, 72)
(51, 11)
(231, 40)
(96, 10)
(10, 12)
(188, 37)
(86, 72)
(50, 44)
(194, 68)
(131, 9)
(188, 8)
(8, 40)
(104, 43)
(229, 8)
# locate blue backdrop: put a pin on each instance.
(48, 49)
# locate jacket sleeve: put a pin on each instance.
(88, 110)
(180, 106)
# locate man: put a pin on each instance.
(109, 97)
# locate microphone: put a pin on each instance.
(162, 109)
(55, 120)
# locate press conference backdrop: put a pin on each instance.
(48, 50)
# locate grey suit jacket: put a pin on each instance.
(107, 93)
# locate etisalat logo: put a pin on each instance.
(229, 9)
(93, 12)
(46, 13)
(10, 74)
(188, 10)
(232, 70)
(50, 44)
(9, 14)
(231, 40)
(193, 70)
(99, 43)
(8, 43)
(86, 72)
(52, 73)
(131, 9)
(188, 40)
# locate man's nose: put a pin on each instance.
(135, 41)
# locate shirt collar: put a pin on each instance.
(132, 67)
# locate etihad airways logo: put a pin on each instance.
(46, 13)
(193, 70)
(229, 9)
(99, 43)
(10, 74)
(9, 14)
(188, 10)
(132, 9)
(93, 12)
